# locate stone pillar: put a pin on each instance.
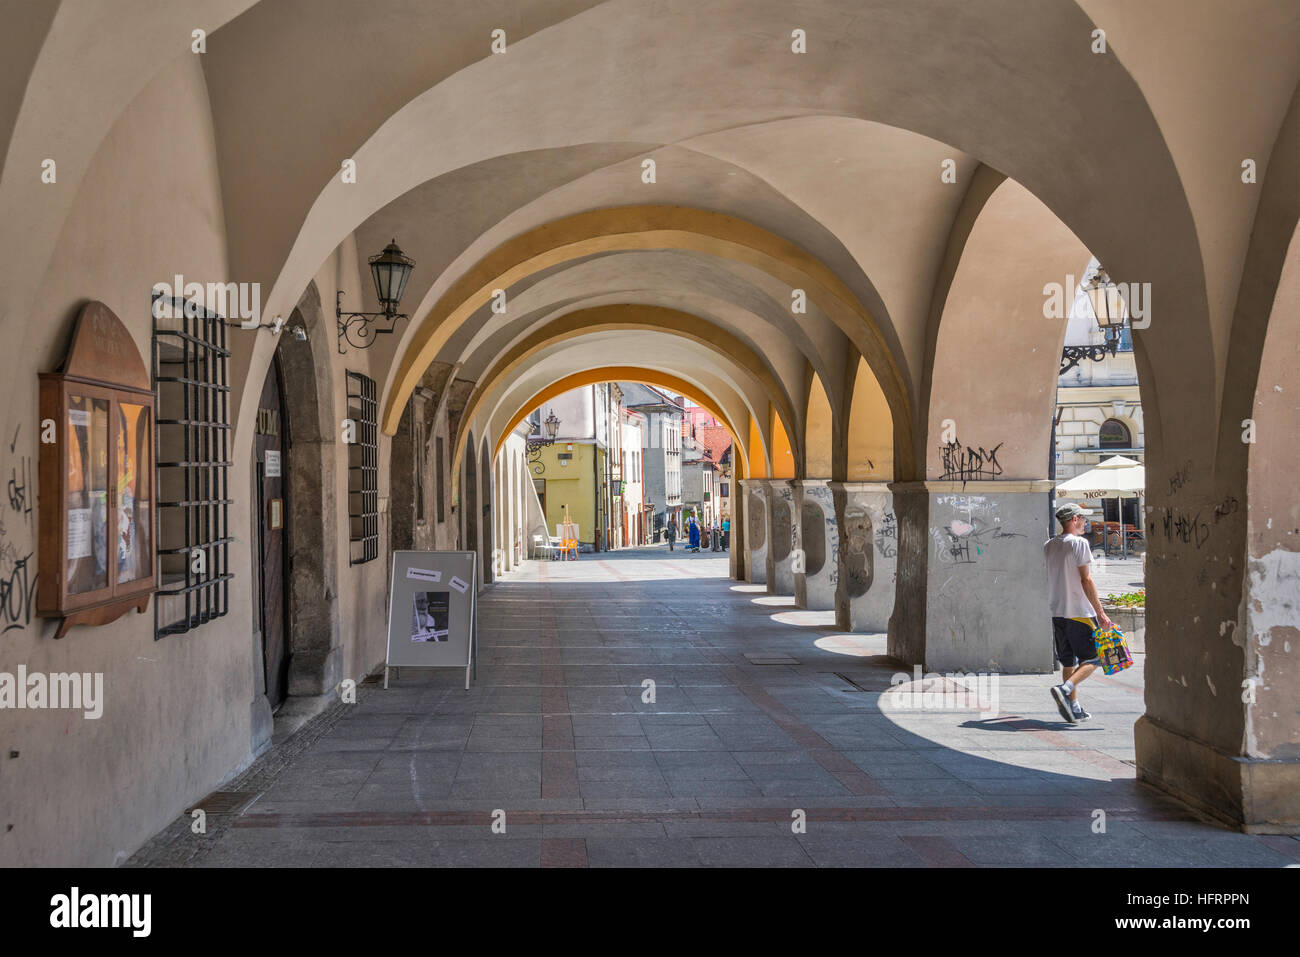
(781, 521)
(817, 539)
(866, 555)
(972, 592)
(756, 532)
(736, 542)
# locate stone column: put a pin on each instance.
(755, 541)
(866, 555)
(817, 539)
(972, 592)
(781, 533)
(736, 541)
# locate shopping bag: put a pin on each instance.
(1112, 649)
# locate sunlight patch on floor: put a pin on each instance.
(859, 646)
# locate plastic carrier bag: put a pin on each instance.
(1112, 649)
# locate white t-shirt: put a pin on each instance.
(1065, 555)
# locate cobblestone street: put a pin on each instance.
(760, 711)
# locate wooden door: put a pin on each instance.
(271, 452)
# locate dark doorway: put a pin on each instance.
(271, 452)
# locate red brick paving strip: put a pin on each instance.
(564, 852)
(559, 763)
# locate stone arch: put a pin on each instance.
(623, 374)
(623, 228)
(723, 346)
(995, 340)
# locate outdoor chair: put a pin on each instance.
(544, 545)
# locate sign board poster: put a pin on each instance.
(431, 611)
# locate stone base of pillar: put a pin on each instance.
(263, 724)
(817, 540)
(973, 587)
(780, 536)
(1255, 795)
(756, 537)
(866, 555)
(313, 673)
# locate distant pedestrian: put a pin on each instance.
(1076, 609)
(715, 536)
(694, 530)
(726, 534)
(671, 533)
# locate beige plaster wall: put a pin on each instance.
(176, 715)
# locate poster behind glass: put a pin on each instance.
(87, 494)
(134, 557)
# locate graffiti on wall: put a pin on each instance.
(974, 530)
(757, 522)
(859, 566)
(969, 463)
(17, 573)
(782, 528)
(887, 536)
(833, 534)
(812, 525)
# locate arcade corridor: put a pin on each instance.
(875, 242)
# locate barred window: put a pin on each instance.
(192, 472)
(1114, 434)
(363, 470)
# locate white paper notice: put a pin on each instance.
(425, 574)
(272, 463)
(78, 533)
(459, 584)
(79, 417)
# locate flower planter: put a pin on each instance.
(1133, 622)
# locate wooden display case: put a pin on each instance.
(97, 515)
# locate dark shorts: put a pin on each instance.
(1074, 644)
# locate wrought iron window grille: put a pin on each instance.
(363, 469)
(192, 465)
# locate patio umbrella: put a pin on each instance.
(1118, 477)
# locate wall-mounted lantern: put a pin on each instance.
(390, 270)
(1111, 314)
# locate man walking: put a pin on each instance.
(1072, 595)
(671, 532)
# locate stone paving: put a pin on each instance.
(770, 740)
